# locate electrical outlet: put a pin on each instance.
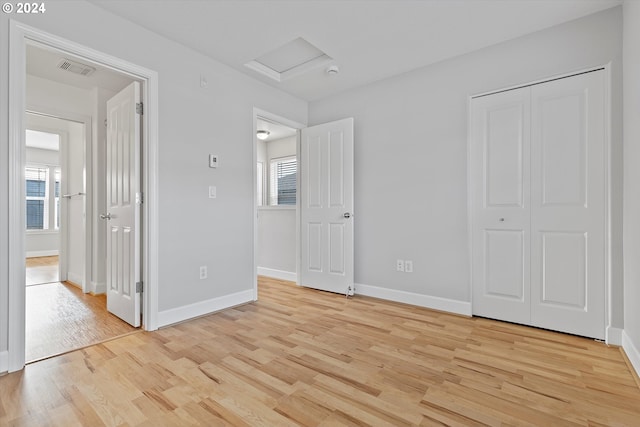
(203, 272)
(399, 265)
(408, 266)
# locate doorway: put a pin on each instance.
(23, 36)
(65, 305)
(276, 199)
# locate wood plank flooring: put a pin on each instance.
(42, 270)
(303, 357)
(60, 318)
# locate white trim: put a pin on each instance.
(420, 300)
(631, 351)
(613, 336)
(180, 314)
(4, 361)
(291, 276)
(98, 288)
(75, 278)
(37, 254)
(19, 34)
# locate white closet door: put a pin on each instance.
(568, 205)
(500, 182)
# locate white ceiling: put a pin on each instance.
(368, 39)
(276, 130)
(42, 62)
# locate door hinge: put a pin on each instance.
(139, 108)
(139, 198)
(138, 287)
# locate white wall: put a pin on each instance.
(194, 121)
(276, 250)
(631, 336)
(411, 153)
(75, 183)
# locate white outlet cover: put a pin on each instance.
(212, 192)
(408, 266)
(213, 160)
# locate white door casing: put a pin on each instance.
(123, 204)
(501, 218)
(326, 207)
(568, 205)
(538, 194)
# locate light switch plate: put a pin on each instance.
(213, 161)
(212, 192)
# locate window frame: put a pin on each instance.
(51, 214)
(273, 199)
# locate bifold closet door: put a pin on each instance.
(500, 185)
(537, 181)
(568, 205)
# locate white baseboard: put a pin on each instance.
(180, 314)
(4, 362)
(98, 288)
(278, 274)
(36, 254)
(74, 278)
(435, 303)
(614, 336)
(632, 352)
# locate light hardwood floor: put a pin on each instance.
(303, 357)
(59, 317)
(41, 270)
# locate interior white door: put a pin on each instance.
(500, 176)
(568, 205)
(123, 204)
(326, 206)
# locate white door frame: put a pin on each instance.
(19, 35)
(295, 125)
(64, 147)
(613, 335)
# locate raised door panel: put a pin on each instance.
(503, 156)
(504, 264)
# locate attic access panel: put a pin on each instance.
(292, 59)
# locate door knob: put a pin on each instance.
(107, 216)
(347, 215)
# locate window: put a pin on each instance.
(42, 197)
(282, 189)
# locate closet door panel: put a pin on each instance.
(499, 179)
(568, 204)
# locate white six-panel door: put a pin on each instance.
(326, 206)
(123, 204)
(538, 174)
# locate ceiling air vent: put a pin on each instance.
(76, 67)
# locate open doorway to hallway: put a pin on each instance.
(276, 199)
